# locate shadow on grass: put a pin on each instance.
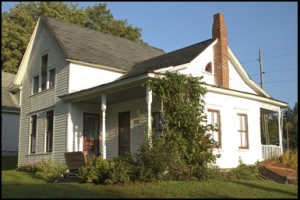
(251, 185)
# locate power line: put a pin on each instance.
(266, 51)
(282, 81)
(268, 57)
(275, 71)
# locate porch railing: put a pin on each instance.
(268, 151)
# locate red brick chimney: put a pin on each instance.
(220, 51)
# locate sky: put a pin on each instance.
(268, 27)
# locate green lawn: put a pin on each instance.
(17, 184)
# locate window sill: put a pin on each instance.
(39, 154)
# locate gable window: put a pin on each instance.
(44, 71)
(208, 67)
(213, 117)
(156, 124)
(49, 131)
(35, 86)
(243, 131)
(52, 78)
(33, 126)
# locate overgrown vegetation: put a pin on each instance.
(47, 170)
(289, 158)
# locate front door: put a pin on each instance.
(91, 135)
(124, 132)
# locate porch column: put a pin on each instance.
(149, 101)
(103, 109)
(280, 125)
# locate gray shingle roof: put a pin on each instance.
(174, 58)
(87, 45)
(9, 100)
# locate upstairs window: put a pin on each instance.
(35, 86)
(52, 78)
(44, 69)
(208, 68)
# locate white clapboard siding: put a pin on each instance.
(229, 106)
(42, 102)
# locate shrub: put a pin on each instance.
(28, 167)
(290, 158)
(120, 169)
(49, 170)
(95, 171)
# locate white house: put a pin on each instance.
(82, 91)
(10, 116)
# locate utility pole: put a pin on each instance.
(261, 71)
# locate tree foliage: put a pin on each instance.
(291, 122)
(184, 119)
(18, 25)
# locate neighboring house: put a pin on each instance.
(10, 118)
(82, 91)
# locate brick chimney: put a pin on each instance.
(220, 51)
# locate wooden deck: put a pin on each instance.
(290, 175)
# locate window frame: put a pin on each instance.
(210, 69)
(158, 131)
(243, 128)
(48, 134)
(33, 131)
(52, 76)
(212, 111)
(35, 84)
(44, 71)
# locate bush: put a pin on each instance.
(49, 170)
(120, 169)
(95, 171)
(290, 158)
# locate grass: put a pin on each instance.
(16, 184)
(289, 158)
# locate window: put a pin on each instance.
(52, 78)
(208, 67)
(49, 131)
(213, 117)
(124, 132)
(156, 124)
(33, 133)
(35, 87)
(44, 71)
(243, 131)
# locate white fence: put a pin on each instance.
(268, 151)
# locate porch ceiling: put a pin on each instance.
(119, 96)
(266, 111)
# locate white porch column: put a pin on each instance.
(149, 101)
(103, 108)
(280, 128)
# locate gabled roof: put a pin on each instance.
(174, 58)
(9, 100)
(91, 46)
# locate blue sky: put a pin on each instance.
(271, 27)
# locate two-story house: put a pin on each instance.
(82, 91)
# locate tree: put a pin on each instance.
(184, 119)
(291, 121)
(19, 23)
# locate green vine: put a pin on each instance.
(183, 116)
